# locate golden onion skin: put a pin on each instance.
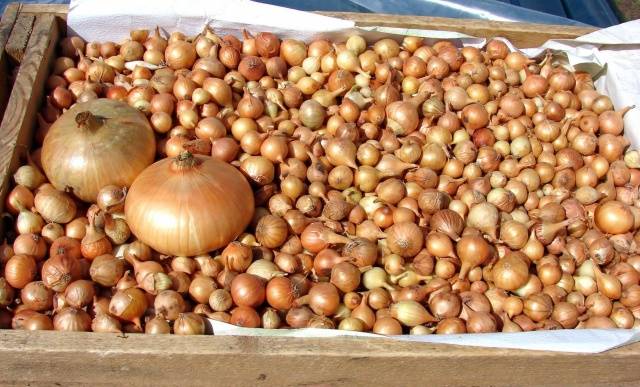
(613, 217)
(189, 205)
(111, 150)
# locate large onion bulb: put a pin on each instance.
(97, 143)
(189, 205)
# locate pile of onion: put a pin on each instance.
(386, 187)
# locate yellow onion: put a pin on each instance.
(54, 205)
(402, 117)
(511, 272)
(128, 304)
(97, 143)
(614, 217)
(180, 55)
(484, 216)
(189, 205)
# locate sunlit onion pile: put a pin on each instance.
(398, 188)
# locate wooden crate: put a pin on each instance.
(58, 358)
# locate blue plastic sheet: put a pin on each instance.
(597, 13)
(592, 12)
(564, 12)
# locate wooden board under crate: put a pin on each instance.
(28, 35)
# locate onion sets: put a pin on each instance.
(397, 188)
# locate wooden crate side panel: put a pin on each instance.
(60, 10)
(20, 36)
(93, 358)
(16, 129)
(6, 25)
(523, 35)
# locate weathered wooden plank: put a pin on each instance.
(57, 9)
(6, 25)
(92, 358)
(523, 35)
(16, 129)
(19, 37)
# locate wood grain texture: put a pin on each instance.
(57, 9)
(522, 35)
(6, 25)
(91, 358)
(19, 37)
(16, 129)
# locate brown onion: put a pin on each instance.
(72, 319)
(188, 172)
(130, 147)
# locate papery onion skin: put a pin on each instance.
(511, 272)
(83, 160)
(402, 117)
(614, 217)
(180, 55)
(72, 319)
(164, 212)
